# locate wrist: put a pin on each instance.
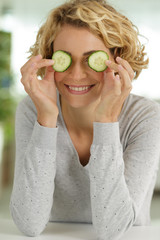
(104, 119)
(47, 121)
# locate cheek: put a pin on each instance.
(99, 76)
(58, 76)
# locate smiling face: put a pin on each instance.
(79, 85)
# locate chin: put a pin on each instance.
(80, 103)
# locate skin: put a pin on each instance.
(103, 103)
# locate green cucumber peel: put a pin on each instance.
(62, 61)
(96, 61)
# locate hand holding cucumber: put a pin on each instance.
(115, 90)
(42, 92)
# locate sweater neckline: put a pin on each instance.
(68, 136)
(67, 133)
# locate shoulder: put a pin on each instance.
(142, 102)
(141, 107)
(26, 109)
(140, 121)
(139, 115)
(26, 104)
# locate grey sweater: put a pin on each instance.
(113, 191)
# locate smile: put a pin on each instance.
(79, 89)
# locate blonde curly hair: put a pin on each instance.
(117, 31)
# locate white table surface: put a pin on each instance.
(68, 231)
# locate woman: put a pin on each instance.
(85, 155)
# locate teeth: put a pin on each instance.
(79, 88)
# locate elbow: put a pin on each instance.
(109, 232)
(115, 228)
(29, 230)
(29, 227)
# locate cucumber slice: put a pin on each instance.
(96, 61)
(62, 61)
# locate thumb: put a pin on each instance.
(49, 74)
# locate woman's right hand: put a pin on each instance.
(42, 92)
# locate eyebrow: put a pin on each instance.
(84, 54)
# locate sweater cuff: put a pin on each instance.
(44, 137)
(105, 133)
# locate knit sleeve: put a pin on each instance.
(120, 179)
(35, 169)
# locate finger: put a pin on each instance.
(117, 82)
(126, 65)
(109, 79)
(33, 85)
(45, 63)
(29, 62)
(116, 70)
(35, 66)
(49, 74)
(112, 83)
(123, 73)
(125, 78)
(35, 63)
(112, 65)
(30, 83)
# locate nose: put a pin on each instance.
(77, 71)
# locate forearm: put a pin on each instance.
(112, 208)
(32, 195)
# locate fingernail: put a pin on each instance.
(51, 62)
(108, 61)
(39, 56)
(117, 77)
(118, 58)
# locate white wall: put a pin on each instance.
(146, 15)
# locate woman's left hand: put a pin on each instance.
(115, 90)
